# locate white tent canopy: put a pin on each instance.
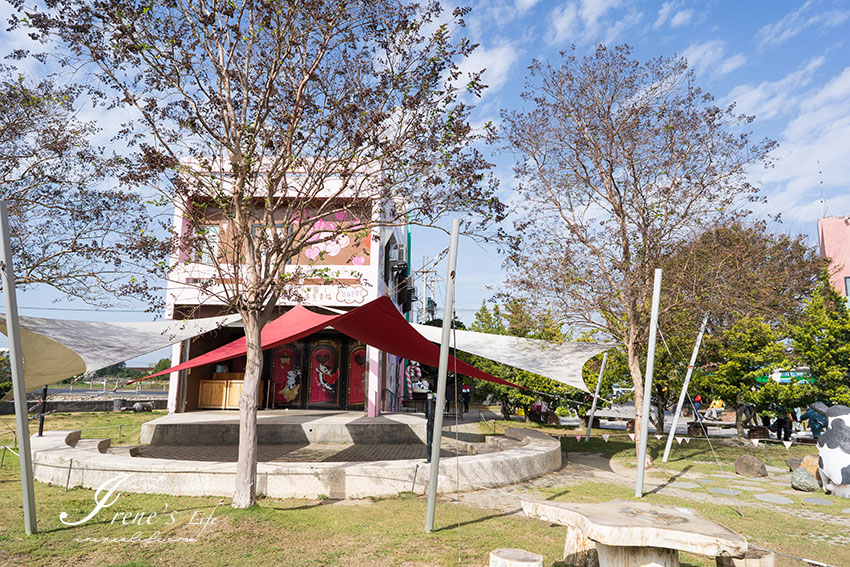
(56, 349)
(559, 361)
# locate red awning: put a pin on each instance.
(378, 323)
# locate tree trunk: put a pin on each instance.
(245, 492)
(637, 380)
(659, 422)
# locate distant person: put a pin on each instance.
(466, 392)
(715, 409)
(783, 425)
(697, 405)
(748, 411)
(817, 421)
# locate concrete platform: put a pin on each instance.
(59, 457)
(285, 427)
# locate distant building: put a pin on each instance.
(834, 239)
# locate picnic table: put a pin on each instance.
(622, 533)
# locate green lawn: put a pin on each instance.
(368, 532)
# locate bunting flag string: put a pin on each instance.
(687, 439)
(679, 440)
(787, 444)
(632, 436)
(755, 442)
(658, 437)
(605, 437)
(578, 438)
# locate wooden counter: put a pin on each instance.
(223, 391)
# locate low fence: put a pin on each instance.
(8, 408)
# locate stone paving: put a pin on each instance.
(582, 468)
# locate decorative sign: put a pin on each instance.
(357, 374)
(286, 374)
(336, 294)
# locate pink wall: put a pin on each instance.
(834, 238)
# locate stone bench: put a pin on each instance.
(622, 533)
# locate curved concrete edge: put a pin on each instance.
(57, 462)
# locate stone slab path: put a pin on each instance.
(692, 487)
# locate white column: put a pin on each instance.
(373, 382)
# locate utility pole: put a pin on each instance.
(429, 304)
(17, 363)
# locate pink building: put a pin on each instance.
(834, 239)
(327, 370)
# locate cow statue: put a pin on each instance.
(834, 449)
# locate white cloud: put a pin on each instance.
(813, 157)
(663, 14)
(564, 23)
(497, 61)
(710, 57)
(806, 16)
(524, 5)
(681, 18)
(771, 98)
(588, 21)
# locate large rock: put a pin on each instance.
(747, 465)
(803, 480)
(695, 429)
(810, 463)
(794, 463)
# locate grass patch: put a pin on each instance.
(375, 532)
(94, 425)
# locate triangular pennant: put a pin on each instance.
(679, 440)
(755, 442)
(578, 438)
(658, 437)
(606, 436)
(632, 436)
(687, 439)
(787, 444)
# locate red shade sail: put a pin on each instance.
(378, 323)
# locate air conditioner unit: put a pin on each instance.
(402, 253)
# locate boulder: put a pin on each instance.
(810, 463)
(695, 429)
(794, 463)
(747, 465)
(803, 480)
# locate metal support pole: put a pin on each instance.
(647, 385)
(684, 391)
(17, 363)
(43, 410)
(429, 425)
(596, 396)
(442, 378)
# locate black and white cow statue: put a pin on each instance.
(834, 449)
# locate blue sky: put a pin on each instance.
(787, 63)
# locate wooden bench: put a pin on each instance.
(622, 533)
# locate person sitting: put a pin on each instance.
(715, 409)
(697, 404)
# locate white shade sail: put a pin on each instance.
(559, 361)
(56, 349)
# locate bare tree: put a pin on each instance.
(303, 123)
(69, 229)
(620, 162)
